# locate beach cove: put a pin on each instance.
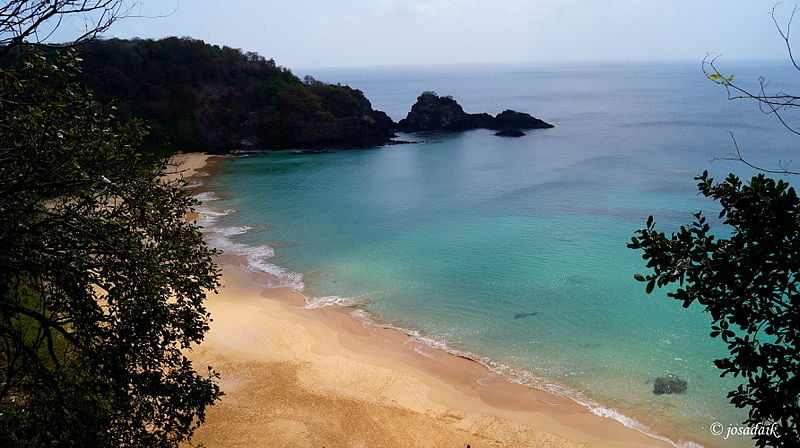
(295, 376)
(510, 252)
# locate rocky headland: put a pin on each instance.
(194, 96)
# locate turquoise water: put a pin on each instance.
(460, 236)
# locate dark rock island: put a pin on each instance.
(509, 133)
(434, 113)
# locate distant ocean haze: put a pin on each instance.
(514, 250)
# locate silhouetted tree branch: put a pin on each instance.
(35, 21)
(737, 156)
(778, 103)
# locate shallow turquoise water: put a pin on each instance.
(456, 236)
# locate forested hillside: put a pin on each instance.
(200, 97)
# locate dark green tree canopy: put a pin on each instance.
(102, 280)
(196, 96)
(748, 284)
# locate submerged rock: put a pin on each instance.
(669, 384)
(432, 112)
(509, 133)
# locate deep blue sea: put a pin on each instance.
(514, 250)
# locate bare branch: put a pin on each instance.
(737, 157)
(770, 103)
(36, 21)
(786, 32)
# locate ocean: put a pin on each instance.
(513, 250)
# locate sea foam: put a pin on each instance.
(328, 301)
(256, 256)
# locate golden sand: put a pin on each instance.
(186, 165)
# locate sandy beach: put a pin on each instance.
(298, 377)
(187, 165)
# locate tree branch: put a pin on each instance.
(737, 157)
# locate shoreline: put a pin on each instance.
(348, 370)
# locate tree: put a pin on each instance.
(102, 280)
(748, 284)
(748, 281)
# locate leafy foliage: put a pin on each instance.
(102, 280)
(196, 96)
(748, 284)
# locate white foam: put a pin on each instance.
(688, 445)
(232, 231)
(220, 237)
(326, 301)
(281, 277)
(207, 216)
(613, 414)
(206, 196)
(361, 315)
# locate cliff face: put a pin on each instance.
(434, 113)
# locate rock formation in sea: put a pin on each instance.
(432, 112)
(509, 133)
(669, 384)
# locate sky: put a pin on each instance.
(353, 33)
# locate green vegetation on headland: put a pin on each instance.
(200, 97)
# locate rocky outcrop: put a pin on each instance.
(434, 113)
(669, 384)
(509, 133)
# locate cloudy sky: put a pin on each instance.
(333, 33)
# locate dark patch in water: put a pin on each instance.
(524, 315)
(574, 279)
(563, 238)
(592, 345)
(669, 384)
